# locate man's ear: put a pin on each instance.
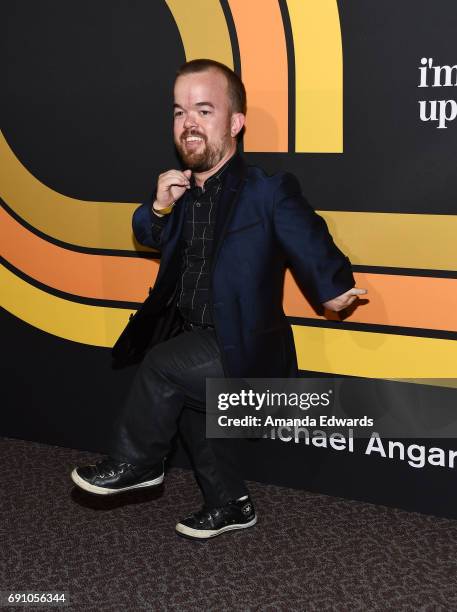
(236, 124)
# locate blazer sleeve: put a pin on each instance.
(323, 270)
(148, 227)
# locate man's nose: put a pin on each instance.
(190, 121)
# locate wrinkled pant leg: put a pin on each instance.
(215, 460)
(172, 373)
(147, 424)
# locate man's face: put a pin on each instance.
(202, 119)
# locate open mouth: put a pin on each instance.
(193, 140)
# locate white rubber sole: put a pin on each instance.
(86, 486)
(205, 534)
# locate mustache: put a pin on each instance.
(188, 133)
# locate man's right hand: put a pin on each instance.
(170, 187)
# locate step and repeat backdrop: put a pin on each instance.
(358, 99)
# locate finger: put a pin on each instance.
(170, 181)
(350, 301)
(171, 174)
(356, 291)
(342, 304)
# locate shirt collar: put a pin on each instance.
(214, 179)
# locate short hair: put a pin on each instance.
(236, 89)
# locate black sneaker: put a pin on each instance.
(110, 476)
(211, 522)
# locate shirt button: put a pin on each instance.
(197, 204)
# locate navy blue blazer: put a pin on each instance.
(263, 225)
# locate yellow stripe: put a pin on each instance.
(318, 76)
(373, 355)
(335, 351)
(204, 33)
(98, 326)
(103, 225)
(203, 29)
(396, 239)
(376, 239)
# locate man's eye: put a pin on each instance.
(205, 112)
(178, 113)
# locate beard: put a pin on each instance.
(205, 159)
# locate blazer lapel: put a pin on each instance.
(231, 190)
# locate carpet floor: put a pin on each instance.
(308, 551)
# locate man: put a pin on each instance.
(226, 233)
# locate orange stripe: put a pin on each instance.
(263, 54)
(405, 301)
(96, 276)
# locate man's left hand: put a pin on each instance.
(344, 300)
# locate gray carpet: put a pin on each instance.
(308, 551)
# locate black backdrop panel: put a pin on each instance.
(63, 393)
(87, 109)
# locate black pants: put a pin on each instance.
(168, 394)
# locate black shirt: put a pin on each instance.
(197, 247)
(198, 230)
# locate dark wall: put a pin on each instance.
(87, 110)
